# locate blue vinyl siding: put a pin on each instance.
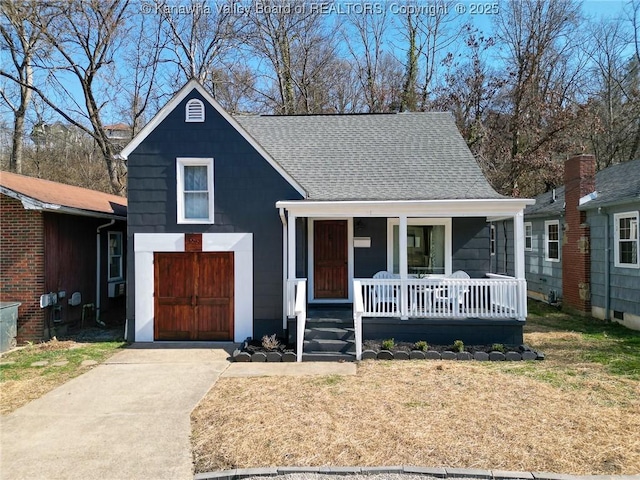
(624, 281)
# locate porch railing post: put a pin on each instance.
(358, 310)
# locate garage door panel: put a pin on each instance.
(175, 322)
(194, 296)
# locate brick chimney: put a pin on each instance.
(579, 180)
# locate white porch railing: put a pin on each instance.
(503, 297)
(358, 311)
(297, 307)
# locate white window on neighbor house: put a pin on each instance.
(552, 241)
(626, 239)
(428, 246)
(114, 259)
(195, 190)
(492, 239)
(194, 111)
(528, 236)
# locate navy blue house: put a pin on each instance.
(239, 226)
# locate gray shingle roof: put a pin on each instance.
(616, 184)
(405, 156)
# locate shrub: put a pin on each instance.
(458, 346)
(421, 345)
(388, 344)
(498, 347)
(270, 342)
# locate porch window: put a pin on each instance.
(195, 190)
(528, 236)
(115, 255)
(626, 239)
(552, 241)
(428, 246)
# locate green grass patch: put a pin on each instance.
(607, 343)
(16, 365)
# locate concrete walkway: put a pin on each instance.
(127, 418)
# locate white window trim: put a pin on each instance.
(425, 222)
(492, 240)
(180, 164)
(187, 113)
(530, 237)
(546, 240)
(616, 228)
(109, 256)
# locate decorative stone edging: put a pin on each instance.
(436, 472)
(527, 355)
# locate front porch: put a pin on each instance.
(408, 270)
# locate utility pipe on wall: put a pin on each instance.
(98, 262)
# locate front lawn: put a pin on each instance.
(577, 412)
(32, 371)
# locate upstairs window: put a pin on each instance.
(626, 239)
(552, 241)
(528, 236)
(194, 111)
(115, 256)
(195, 190)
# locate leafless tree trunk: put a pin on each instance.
(21, 38)
(379, 73)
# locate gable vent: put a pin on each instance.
(194, 111)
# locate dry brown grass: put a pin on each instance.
(562, 415)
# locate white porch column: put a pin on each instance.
(291, 244)
(403, 268)
(518, 244)
(519, 266)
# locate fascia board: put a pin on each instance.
(427, 208)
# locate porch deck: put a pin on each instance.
(440, 331)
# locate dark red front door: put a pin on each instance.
(330, 259)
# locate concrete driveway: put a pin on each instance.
(125, 419)
(128, 418)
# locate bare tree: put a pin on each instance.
(83, 36)
(293, 43)
(198, 43)
(379, 72)
(544, 69)
(21, 38)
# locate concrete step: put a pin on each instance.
(328, 357)
(328, 323)
(328, 345)
(329, 333)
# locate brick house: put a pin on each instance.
(49, 243)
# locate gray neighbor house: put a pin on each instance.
(581, 242)
(246, 225)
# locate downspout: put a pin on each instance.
(607, 280)
(98, 262)
(283, 219)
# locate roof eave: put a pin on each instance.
(615, 203)
(389, 208)
(30, 203)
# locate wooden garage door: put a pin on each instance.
(193, 296)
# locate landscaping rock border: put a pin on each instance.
(409, 472)
(526, 354)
